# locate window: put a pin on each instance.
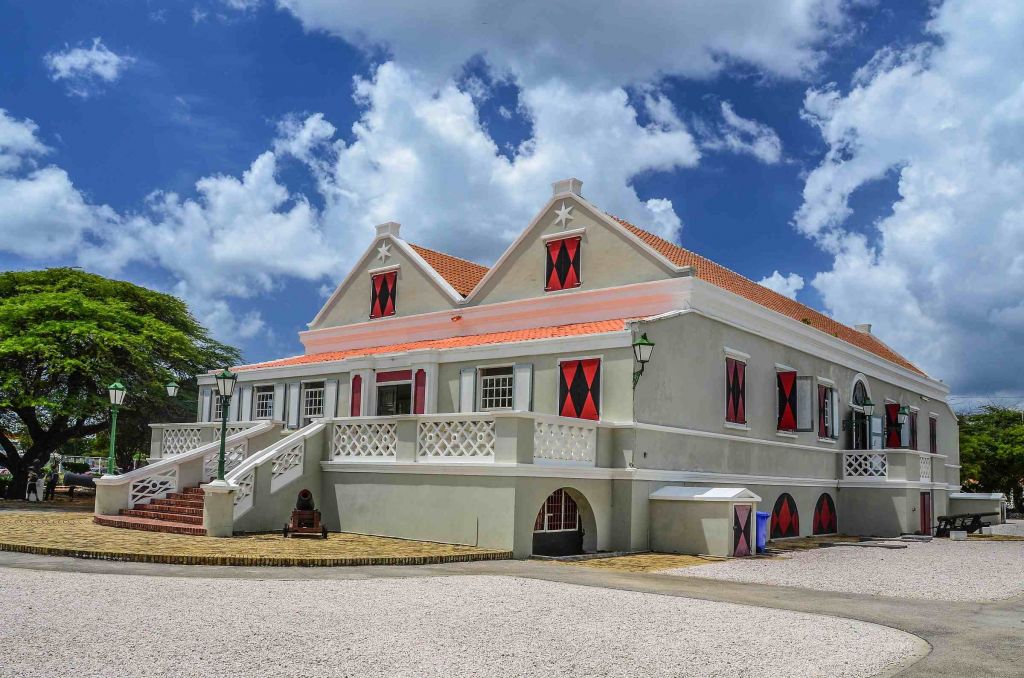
(912, 423)
(217, 404)
(828, 400)
(860, 394)
(558, 514)
(563, 264)
(383, 294)
(893, 430)
(933, 435)
(264, 402)
(496, 388)
(735, 391)
(313, 401)
(579, 388)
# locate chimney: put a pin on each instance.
(863, 327)
(390, 228)
(572, 185)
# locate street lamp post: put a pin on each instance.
(116, 392)
(225, 385)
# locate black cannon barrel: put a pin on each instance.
(304, 501)
(78, 479)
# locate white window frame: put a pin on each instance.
(480, 387)
(831, 411)
(216, 413)
(257, 391)
(309, 388)
(579, 516)
(600, 391)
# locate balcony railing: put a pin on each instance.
(865, 465)
(479, 437)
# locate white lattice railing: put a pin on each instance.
(164, 475)
(234, 454)
(865, 465)
(153, 486)
(374, 441)
(559, 441)
(926, 469)
(180, 440)
(285, 460)
(456, 439)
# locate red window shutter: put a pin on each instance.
(420, 392)
(394, 375)
(579, 389)
(787, 400)
(822, 404)
(933, 435)
(912, 421)
(892, 425)
(357, 395)
(383, 294)
(562, 271)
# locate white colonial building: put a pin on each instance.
(442, 400)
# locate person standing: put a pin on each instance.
(32, 490)
(51, 485)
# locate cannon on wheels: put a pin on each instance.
(305, 518)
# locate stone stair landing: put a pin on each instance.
(178, 513)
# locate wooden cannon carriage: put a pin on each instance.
(306, 519)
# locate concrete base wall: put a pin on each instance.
(696, 528)
(957, 506)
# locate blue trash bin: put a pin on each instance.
(762, 530)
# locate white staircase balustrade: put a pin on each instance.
(169, 474)
(170, 440)
(285, 460)
(179, 440)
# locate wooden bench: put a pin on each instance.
(967, 522)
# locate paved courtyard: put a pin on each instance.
(941, 569)
(430, 626)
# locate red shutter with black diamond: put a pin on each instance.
(825, 520)
(785, 519)
(563, 264)
(787, 400)
(383, 294)
(892, 425)
(579, 389)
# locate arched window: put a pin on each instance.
(825, 519)
(558, 529)
(785, 518)
(860, 393)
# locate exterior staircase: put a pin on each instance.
(178, 513)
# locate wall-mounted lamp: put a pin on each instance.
(642, 350)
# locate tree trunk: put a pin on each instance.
(32, 460)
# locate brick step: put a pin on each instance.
(184, 503)
(170, 508)
(150, 525)
(165, 517)
(193, 490)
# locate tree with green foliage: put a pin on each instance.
(65, 335)
(992, 451)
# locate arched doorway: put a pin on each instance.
(825, 520)
(558, 529)
(785, 518)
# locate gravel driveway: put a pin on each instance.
(941, 569)
(451, 626)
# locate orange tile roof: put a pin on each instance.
(731, 281)
(461, 274)
(507, 337)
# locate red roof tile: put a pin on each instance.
(731, 281)
(461, 274)
(508, 337)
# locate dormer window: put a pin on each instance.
(563, 264)
(383, 294)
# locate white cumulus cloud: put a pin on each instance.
(85, 69)
(786, 285)
(737, 134)
(941, 275)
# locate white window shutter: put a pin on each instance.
(233, 408)
(522, 380)
(245, 406)
(804, 404)
(834, 430)
(876, 435)
(206, 405)
(330, 398)
(293, 404)
(279, 402)
(905, 434)
(467, 389)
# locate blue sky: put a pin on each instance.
(770, 141)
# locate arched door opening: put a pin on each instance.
(825, 519)
(558, 529)
(785, 518)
